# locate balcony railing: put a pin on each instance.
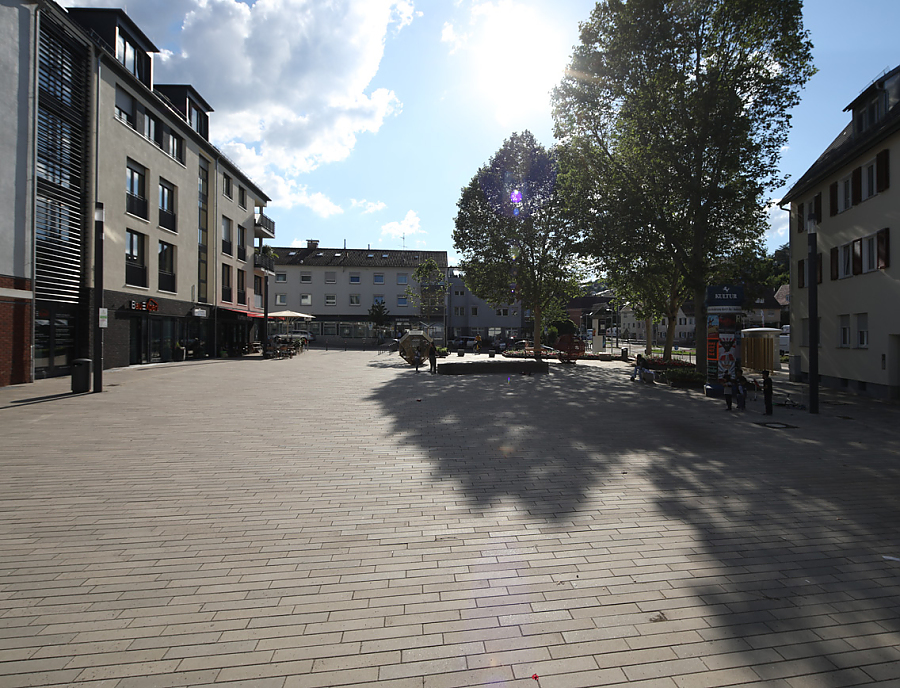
(167, 281)
(242, 297)
(242, 253)
(227, 248)
(136, 205)
(136, 274)
(226, 294)
(168, 220)
(264, 262)
(264, 226)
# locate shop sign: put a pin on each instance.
(149, 305)
(199, 312)
(724, 299)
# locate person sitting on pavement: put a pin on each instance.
(638, 368)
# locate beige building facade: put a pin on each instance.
(848, 198)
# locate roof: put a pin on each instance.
(356, 258)
(783, 295)
(845, 146)
(80, 14)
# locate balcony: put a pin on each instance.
(227, 248)
(263, 227)
(136, 205)
(264, 262)
(168, 220)
(242, 253)
(242, 297)
(167, 281)
(135, 274)
(226, 294)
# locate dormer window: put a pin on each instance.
(866, 115)
(198, 119)
(135, 60)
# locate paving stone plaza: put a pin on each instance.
(336, 519)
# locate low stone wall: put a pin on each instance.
(505, 366)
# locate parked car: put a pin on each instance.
(300, 334)
(465, 342)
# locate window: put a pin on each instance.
(330, 300)
(378, 278)
(844, 331)
(166, 267)
(459, 310)
(281, 277)
(135, 60)
(306, 299)
(845, 194)
(475, 310)
(281, 299)
(153, 129)
(845, 266)
(869, 186)
(136, 198)
(242, 243)
(257, 291)
(167, 217)
(242, 287)
(176, 147)
(862, 330)
(378, 299)
(135, 265)
(124, 107)
(870, 254)
(402, 301)
(330, 277)
(402, 278)
(226, 282)
(354, 278)
(242, 197)
(227, 225)
(305, 278)
(198, 120)
(354, 299)
(227, 187)
(502, 311)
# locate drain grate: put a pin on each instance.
(776, 426)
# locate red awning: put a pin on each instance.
(249, 314)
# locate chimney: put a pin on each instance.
(312, 243)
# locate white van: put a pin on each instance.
(784, 340)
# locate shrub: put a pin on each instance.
(657, 363)
(685, 378)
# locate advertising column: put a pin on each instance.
(723, 348)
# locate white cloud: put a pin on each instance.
(368, 206)
(449, 35)
(408, 226)
(288, 79)
(779, 224)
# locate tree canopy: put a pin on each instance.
(429, 289)
(672, 116)
(516, 241)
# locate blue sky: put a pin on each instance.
(363, 119)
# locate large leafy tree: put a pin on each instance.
(516, 240)
(429, 289)
(673, 114)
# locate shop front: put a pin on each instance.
(236, 330)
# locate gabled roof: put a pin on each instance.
(783, 295)
(357, 258)
(846, 147)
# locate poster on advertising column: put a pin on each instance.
(723, 352)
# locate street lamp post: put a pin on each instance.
(99, 218)
(813, 311)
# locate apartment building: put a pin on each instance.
(126, 192)
(469, 315)
(338, 287)
(847, 198)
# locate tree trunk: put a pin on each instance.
(537, 332)
(700, 328)
(648, 349)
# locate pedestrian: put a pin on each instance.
(432, 357)
(417, 359)
(477, 343)
(741, 393)
(638, 368)
(767, 392)
(727, 388)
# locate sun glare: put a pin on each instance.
(519, 56)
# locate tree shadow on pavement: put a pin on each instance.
(780, 533)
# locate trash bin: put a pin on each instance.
(624, 353)
(81, 375)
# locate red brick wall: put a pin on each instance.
(15, 334)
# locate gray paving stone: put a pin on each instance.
(344, 536)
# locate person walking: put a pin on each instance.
(767, 392)
(727, 388)
(417, 358)
(432, 357)
(741, 393)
